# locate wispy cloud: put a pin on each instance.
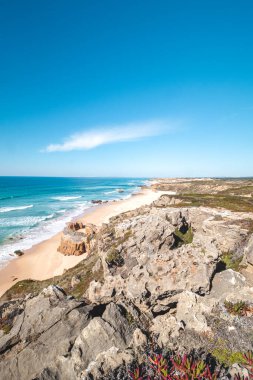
(107, 135)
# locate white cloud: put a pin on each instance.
(107, 135)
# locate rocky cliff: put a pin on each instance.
(163, 279)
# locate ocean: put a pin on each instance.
(33, 209)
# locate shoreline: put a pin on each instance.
(42, 261)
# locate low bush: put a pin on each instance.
(114, 258)
(239, 308)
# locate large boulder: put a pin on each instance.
(72, 243)
(166, 200)
(77, 242)
(231, 286)
(110, 332)
(44, 330)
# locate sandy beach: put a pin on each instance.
(43, 261)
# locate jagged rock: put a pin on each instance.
(191, 311)
(223, 226)
(139, 340)
(57, 337)
(76, 243)
(42, 332)
(249, 251)
(108, 332)
(75, 226)
(151, 265)
(107, 362)
(166, 327)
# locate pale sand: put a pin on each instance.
(42, 261)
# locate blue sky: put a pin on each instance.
(126, 88)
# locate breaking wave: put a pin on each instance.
(8, 209)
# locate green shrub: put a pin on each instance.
(239, 308)
(114, 258)
(231, 262)
(226, 357)
(184, 238)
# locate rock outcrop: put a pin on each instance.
(77, 239)
(155, 261)
(59, 337)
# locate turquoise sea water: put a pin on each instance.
(33, 209)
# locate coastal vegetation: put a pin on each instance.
(240, 308)
(231, 261)
(184, 238)
(173, 366)
(229, 202)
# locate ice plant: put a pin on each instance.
(160, 366)
(175, 368)
(189, 369)
(135, 375)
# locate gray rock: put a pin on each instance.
(249, 251)
(139, 340)
(106, 362)
(153, 266)
(75, 281)
(55, 337)
(231, 286)
(44, 330)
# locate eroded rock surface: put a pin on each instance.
(155, 263)
(164, 280)
(58, 336)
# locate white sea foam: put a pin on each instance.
(98, 187)
(110, 192)
(66, 198)
(24, 221)
(8, 209)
